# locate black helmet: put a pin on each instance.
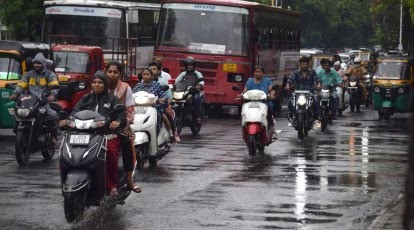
(189, 61)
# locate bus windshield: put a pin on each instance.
(9, 69)
(393, 70)
(71, 62)
(184, 27)
(79, 21)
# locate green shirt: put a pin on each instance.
(332, 78)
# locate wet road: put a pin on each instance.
(341, 179)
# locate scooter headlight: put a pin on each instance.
(97, 124)
(401, 90)
(140, 110)
(301, 100)
(23, 112)
(352, 83)
(80, 124)
(376, 89)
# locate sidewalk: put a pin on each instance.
(391, 217)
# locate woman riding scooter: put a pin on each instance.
(114, 70)
(101, 101)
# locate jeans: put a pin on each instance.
(198, 102)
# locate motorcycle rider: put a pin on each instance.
(259, 82)
(123, 91)
(304, 79)
(193, 78)
(156, 68)
(358, 70)
(36, 82)
(328, 77)
(150, 86)
(103, 102)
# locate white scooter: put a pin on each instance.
(256, 131)
(148, 145)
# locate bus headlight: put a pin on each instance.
(238, 78)
(376, 89)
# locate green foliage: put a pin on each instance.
(23, 18)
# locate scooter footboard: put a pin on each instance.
(76, 180)
(141, 138)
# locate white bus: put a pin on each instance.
(103, 23)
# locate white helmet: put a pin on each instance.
(337, 63)
(357, 59)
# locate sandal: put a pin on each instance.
(134, 188)
(113, 192)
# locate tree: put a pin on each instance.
(23, 24)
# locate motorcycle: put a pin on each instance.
(148, 145)
(32, 132)
(83, 164)
(183, 108)
(257, 132)
(302, 100)
(325, 107)
(355, 94)
(368, 87)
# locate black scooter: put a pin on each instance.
(83, 165)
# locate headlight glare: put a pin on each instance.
(376, 89)
(23, 112)
(401, 90)
(238, 78)
(301, 100)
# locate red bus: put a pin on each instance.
(227, 38)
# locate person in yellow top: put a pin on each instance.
(358, 70)
(36, 82)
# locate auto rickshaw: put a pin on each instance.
(316, 59)
(393, 86)
(15, 61)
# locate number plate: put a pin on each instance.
(227, 67)
(79, 139)
(254, 105)
(63, 78)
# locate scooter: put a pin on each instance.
(149, 144)
(32, 132)
(257, 132)
(83, 165)
(343, 97)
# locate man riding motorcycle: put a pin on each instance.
(304, 79)
(358, 69)
(36, 82)
(329, 78)
(193, 78)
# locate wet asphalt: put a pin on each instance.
(340, 179)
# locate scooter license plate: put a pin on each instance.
(79, 139)
(254, 105)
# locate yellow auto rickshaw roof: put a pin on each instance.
(397, 59)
